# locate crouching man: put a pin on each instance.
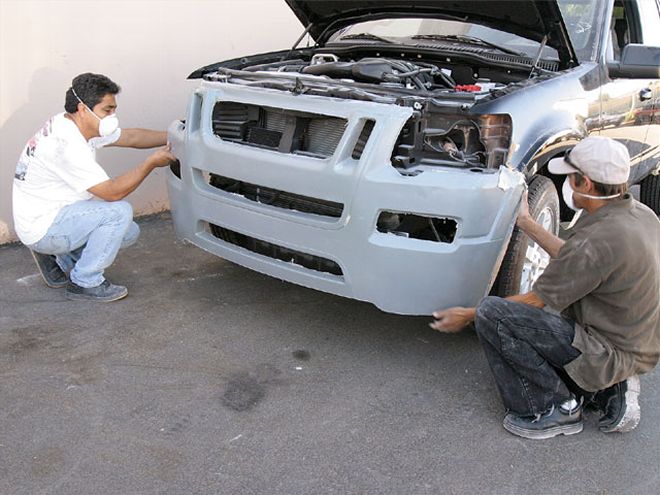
(591, 323)
(66, 209)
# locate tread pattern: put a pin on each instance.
(540, 190)
(649, 192)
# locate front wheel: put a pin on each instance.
(525, 260)
(649, 192)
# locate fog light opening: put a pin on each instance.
(417, 226)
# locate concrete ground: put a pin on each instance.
(212, 379)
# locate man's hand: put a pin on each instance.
(160, 158)
(524, 218)
(525, 222)
(120, 187)
(452, 320)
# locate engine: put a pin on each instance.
(385, 72)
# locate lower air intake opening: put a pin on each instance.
(274, 251)
(277, 198)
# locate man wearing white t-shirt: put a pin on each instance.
(66, 208)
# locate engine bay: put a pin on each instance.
(381, 73)
(441, 90)
(387, 73)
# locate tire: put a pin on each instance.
(649, 192)
(524, 260)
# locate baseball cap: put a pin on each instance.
(602, 159)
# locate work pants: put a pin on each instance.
(86, 236)
(526, 349)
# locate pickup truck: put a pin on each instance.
(385, 160)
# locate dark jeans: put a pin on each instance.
(526, 348)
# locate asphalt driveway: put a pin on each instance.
(210, 378)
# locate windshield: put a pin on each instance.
(583, 19)
(415, 31)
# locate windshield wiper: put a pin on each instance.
(466, 39)
(365, 36)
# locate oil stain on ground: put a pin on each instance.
(244, 389)
(242, 392)
(301, 355)
(21, 341)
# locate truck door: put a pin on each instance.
(650, 21)
(627, 104)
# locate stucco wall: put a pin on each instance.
(147, 46)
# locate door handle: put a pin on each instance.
(645, 94)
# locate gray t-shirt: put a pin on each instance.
(607, 279)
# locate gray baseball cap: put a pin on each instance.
(602, 159)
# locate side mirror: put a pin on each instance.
(637, 62)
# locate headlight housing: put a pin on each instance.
(452, 140)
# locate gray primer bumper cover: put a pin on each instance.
(397, 274)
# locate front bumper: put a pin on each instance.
(397, 274)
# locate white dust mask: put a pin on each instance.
(567, 193)
(107, 124)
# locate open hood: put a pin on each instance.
(532, 19)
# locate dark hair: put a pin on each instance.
(603, 189)
(90, 88)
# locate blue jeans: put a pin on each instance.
(86, 236)
(526, 349)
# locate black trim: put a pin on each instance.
(277, 198)
(274, 251)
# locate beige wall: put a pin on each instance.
(147, 46)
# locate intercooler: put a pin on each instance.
(285, 131)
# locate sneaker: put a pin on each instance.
(619, 405)
(105, 292)
(566, 419)
(50, 270)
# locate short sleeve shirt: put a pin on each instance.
(56, 168)
(607, 279)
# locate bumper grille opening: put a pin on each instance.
(417, 226)
(286, 131)
(277, 198)
(274, 251)
(362, 140)
(175, 167)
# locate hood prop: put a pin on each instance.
(295, 45)
(537, 59)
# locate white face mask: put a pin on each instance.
(567, 193)
(107, 124)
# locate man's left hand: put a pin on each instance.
(452, 320)
(161, 158)
(524, 218)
